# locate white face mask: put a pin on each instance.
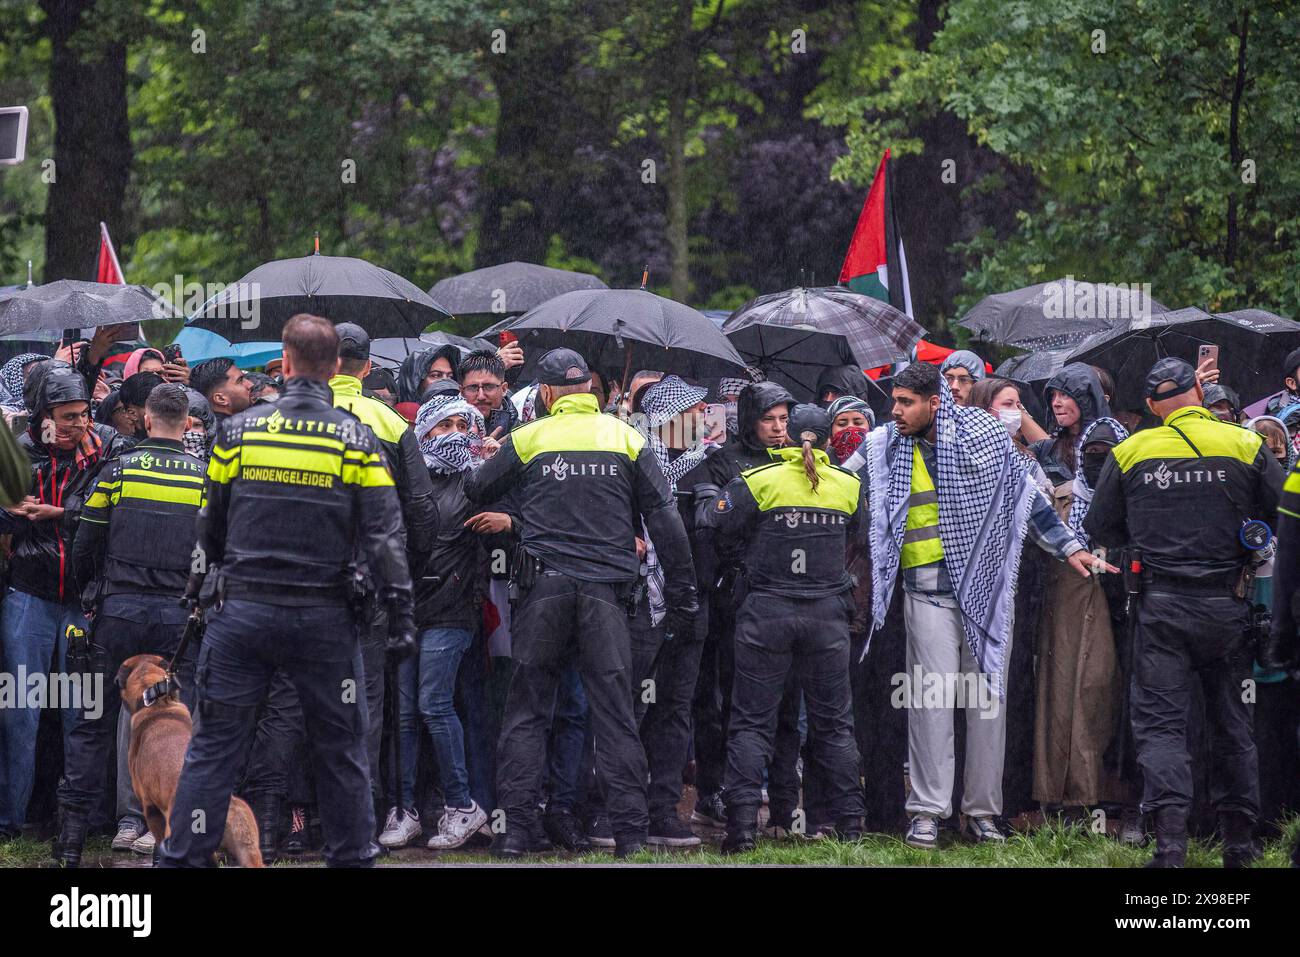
(1010, 419)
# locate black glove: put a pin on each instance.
(190, 600)
(1278, 651)
(401, 629)
(679, 620)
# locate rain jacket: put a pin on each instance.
(414, 491)
(41, 552)
(1055, 454)
(410, 377)
(842, 380)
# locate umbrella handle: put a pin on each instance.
(627, 371)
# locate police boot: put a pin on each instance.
(742, 825)
(71, 839)
(1238, 832)
(1171, 838)
(511, 843)
(267, 809)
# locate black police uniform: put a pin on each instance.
(583, 482)
(133, 551)
(716, 570)
(295, 496)
(795, 616)
(1180, 494)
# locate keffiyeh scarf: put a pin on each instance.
(985, 497)
(451, 451)
(1081, 490)
(11, 380)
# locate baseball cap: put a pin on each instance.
(1166, 370)
(1292, 362)
(562, 367)
(354, 343)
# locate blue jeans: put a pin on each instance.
(31, 641)
(428, 682)
(570, 758)
(247, 644)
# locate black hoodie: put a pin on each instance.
(410, 377)
(1056, 454)
(842, 380)
(40, 555)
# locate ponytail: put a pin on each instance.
(810, 463)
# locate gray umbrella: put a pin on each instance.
(829, 325)
(508, 289)
(71, 303)
(617, 329)
(390, 352)
(1055, 314)
(340, 288)
(1034, 368)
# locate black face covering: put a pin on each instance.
(1092, 463)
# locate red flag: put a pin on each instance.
(876, 264)
(110, 270)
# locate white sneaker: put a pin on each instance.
(144, 844)
(458, 825)
(983, 830)
(129, 830)
(400, 828)
(923, 832)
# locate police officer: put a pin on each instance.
(1192, 497)
(296, 495)
(584, 482)
(794, 519)
(419, 513)
(132, 552)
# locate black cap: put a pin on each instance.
(806, 417)
(1173, 370)
(562, 367)
(1292, 362)
(354, 343)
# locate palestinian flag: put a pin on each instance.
(875, 264)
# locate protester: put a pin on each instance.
(1076, 399)
(263, 388)
(66, 451)
(422, 369)
(483, 384)
(1290, 394)
(838, 381)
(1194, 547)
(961, 370)
(450, 433)
(950, 501)
(851, 420)
(1079, 676)
(225, 386)
(1223, 402)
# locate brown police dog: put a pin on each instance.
(160, 734)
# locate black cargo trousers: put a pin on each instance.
(560, 622)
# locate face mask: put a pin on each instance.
(451, 452)
(1011, 419)
(846, 442)
(195, 442)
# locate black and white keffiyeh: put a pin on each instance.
(667, 398)
(985, 498)
(1081, 490)
(11, 380)
(451, 451)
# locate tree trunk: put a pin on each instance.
(675, 146)
(92, 142)
(1234, 141)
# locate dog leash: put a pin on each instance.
(171, 685)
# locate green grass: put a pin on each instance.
(1052, 845)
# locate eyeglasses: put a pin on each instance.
(958, 379)
(486, 388)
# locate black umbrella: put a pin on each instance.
(802, 331)
(508, 289)
(619, 329)
(1250, 346)
(71, 303)
(340, 288)
(1056, 314)
(1034, 368)
(389, 352)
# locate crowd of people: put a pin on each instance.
(559, 599)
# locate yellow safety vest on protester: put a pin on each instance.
(921, 544)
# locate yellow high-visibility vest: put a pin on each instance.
(921, 544)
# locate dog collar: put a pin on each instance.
(169, 687)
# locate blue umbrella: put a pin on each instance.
(198, 345)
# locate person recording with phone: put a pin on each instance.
(1223, 484)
